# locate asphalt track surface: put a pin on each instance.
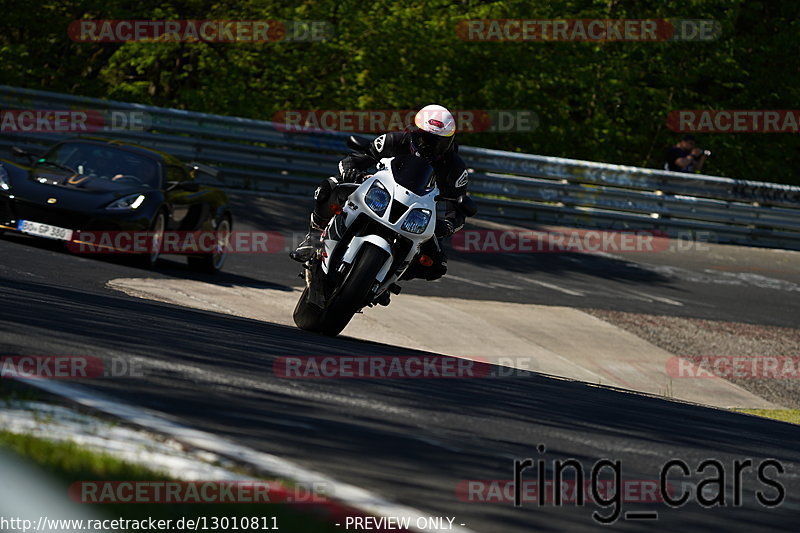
(413, 441)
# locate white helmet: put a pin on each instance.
(434, 133)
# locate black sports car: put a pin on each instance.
(85, 186)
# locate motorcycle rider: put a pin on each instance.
(432, 137)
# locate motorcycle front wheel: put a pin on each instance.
(307, 316)
(354, 291)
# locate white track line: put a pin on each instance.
(504, 286)
(651, 297)
(470, 281)
(349, 495)
(551, 286)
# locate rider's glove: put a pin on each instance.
(353, 175)
(444, 228)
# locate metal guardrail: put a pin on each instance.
(257, 155)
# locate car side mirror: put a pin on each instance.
(20, 153)
(359, 144)
(467, 205)
(188, 186)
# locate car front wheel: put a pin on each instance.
(155, 239)
(213, 262)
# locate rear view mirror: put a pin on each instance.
(359, 144)
(467, 205)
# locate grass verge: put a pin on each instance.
(784, 415)
(67, 463)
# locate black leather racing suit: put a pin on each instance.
(451, 178)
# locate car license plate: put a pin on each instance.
(44, 230)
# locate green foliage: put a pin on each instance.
(599, 101)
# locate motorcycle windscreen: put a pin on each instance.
(413, 173)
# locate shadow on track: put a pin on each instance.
(413, 440)
(169, 265)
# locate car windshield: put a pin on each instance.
(105, 162)
(413, 173)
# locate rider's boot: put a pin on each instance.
(312, 242)
(385, 298)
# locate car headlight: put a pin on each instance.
(377, 198)
(127, 203)
(5, 184)
(417, 221)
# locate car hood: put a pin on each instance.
(68, 191)
(49, 178)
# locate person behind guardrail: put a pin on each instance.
(686, 156)
(432, 137)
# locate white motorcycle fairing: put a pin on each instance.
(357, 204)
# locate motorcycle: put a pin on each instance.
(376, 232)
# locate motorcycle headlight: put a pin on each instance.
(377, 198)
(5, 184)
(416, 221)
(127, 203)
